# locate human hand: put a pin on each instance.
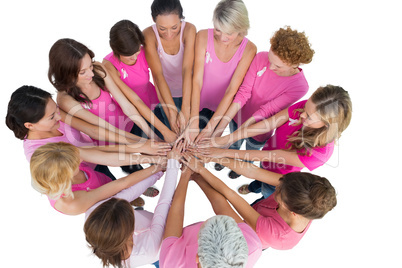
(176, 151)
(207, 153)
(218, 142)
(191, 162)
(153, 147)
(172, 117)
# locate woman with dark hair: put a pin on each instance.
(169, 48)
(129, 69)
(87, 92)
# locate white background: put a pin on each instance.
(358, 47)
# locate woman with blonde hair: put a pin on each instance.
(72, 187)
(222, 56)
(304, 137)
(273, 82)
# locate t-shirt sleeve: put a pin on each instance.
(166, 249)
(318, 156)
(294, 92)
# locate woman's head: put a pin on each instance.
(306, 194)
(68, 65)
(231, 17)
(166, 7)
(125, 39)
(109, 231)
(53, 167)
(167, 15)
(291, 47)
(325, 116)
(221, 243)
(29, 104)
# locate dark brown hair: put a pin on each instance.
(125, 38)
(306, 194)
(27, 104)
(108, 230)
(65, 58)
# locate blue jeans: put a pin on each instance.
(251, 144)
(136, 130)
(160, 113)
(156, 264)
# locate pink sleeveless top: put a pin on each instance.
(137, 77)
(172, 65)
(217, 74)
(108, 109)
(94, 180)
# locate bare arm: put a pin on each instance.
(155, 65)
(83, 200)
(175, 218)
(242, 207)
(188, 66)
(235, 82)
(139, 104)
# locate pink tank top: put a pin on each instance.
(172, 65)
(137, 77)
(217, 74)
(108, 109)
(94, 180)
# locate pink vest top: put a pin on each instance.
(217, 74)
(94, 180)
(108, 109)
(137, 77)
(172, 65)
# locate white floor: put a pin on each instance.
(357, 46)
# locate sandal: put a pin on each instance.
(243, 189)
(233, 175)
(151, 192)
(138, 202)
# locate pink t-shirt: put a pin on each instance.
(318, 156)
(108, 109)
(217, 74)
(68, 134)
(172, 65)
(137, 77)
(94, 180)
(273, 231)
(263, 93)
(180, 252)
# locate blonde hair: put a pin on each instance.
(334, 106)
(53, 166)
(231, 16)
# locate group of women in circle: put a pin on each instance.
(110, 114)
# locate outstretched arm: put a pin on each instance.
(249, 214)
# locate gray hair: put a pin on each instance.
(221, 244)
(231, 16)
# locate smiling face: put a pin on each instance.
(49, 122)
(86, 71)
(279, 67)
(310, 117)
(168, 26)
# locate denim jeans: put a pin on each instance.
(251, 144)
(160, 113)
(156, 264)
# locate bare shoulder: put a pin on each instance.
(148, 33)
(190, 29)
(251, 47)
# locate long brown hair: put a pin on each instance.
(109, 229)
(334, 106)
(65, 58)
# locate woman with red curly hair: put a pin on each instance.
(273, 82)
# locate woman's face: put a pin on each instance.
(86, 71)
(225, 38)
(50, 121)
(279, 67)
(130, 60)
(310, 117)
(168, 26)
